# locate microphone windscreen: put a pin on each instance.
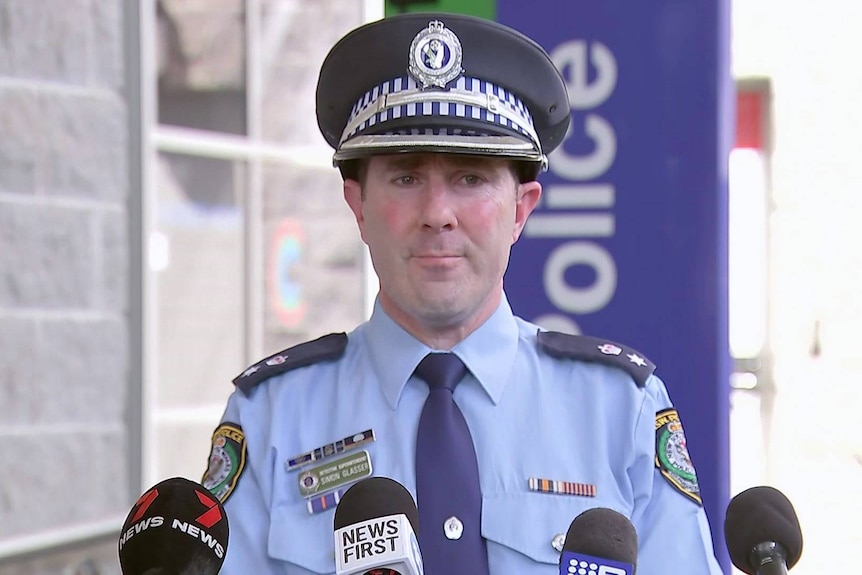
(177, 527)
(759, 515)
(602, 532)
(375, 497)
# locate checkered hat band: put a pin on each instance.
(435, 132)
(440, 109)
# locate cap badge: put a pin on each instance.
(435, 56)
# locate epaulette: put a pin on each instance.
(586, 348)
(326, 347)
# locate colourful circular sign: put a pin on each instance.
(285, 292)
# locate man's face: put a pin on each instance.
(439, 228)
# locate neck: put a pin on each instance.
(442, 333)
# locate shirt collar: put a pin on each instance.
(489, 352)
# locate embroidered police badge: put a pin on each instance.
(226, 461)
(671, 455)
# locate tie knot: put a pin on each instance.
(441, 370)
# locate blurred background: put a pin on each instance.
(169, 214)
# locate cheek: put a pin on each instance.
(384, 222)
(494, 223)
(392, 217)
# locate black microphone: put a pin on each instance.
(375, 528)
(762, 532)
(600, 541)
(177, 527)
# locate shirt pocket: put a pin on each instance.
(528, 522)
(301, 539)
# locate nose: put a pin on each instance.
(438, 208)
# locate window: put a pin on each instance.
(251, 249)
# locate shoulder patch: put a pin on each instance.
(226, 461)
(321, 349)
(671, 455)
(586, 348)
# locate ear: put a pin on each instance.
(353, 197)
(527, 197)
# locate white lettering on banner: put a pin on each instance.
(559, 219)
(571, 59)
(580, 300)
(594, 165)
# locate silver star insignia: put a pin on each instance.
(636, 359)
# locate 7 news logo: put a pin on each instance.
(135, 522)
(211, 516)
(207, 519)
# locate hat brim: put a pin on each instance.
(502, 146)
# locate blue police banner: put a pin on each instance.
(630, 240)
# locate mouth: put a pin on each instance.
(436, 260)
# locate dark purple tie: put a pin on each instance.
(447, 476)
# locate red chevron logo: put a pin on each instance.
(212, 515)
(143, 503)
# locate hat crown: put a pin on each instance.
(434, 82)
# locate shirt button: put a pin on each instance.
(558, 541)
(453, 528)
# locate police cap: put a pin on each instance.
(441, 83)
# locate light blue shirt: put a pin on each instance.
(530, 415)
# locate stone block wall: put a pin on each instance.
(66, 337)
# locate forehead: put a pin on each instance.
(414, 161)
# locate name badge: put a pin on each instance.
(335, 473)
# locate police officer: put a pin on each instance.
(440, 124)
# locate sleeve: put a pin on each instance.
(245, 501)
(673, 532)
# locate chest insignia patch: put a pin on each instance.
(326, 501)
(561, 487)
(330, 449)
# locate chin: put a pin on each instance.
(443, 311)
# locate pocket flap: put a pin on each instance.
(529, 522)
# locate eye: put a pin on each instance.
(472, 179)
(405, 180)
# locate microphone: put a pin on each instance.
(762, 532)
(600, 541)
(375, 529)
(177, 527)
